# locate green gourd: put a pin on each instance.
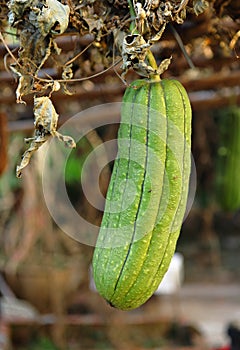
(147, 194)
(228, 159)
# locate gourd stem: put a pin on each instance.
(150, 57)
(152, 62)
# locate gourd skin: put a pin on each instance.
(141, 223)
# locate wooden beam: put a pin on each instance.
(200, 101)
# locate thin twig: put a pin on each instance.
(80, 79)
(182, 47)
(8, 50)
(79, 54)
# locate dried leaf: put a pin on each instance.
(199, 6)
(36, 142)
(95, 21)
(53, 18)
(17, 9)
(68, 140)
(67, 72)
(23, 88)
(46, 119)
(164, 65)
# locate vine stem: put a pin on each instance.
(133, 16)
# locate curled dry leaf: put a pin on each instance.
(46, 119)
(53, 18)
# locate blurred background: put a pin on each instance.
(48, 300)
